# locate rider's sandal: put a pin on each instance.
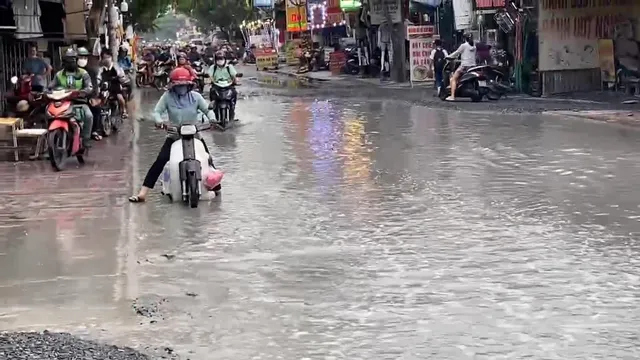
(95, 136)
(125, 115)
(136, 199)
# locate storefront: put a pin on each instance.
(569, 35)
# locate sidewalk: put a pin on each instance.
(630, 118)
(327, 76)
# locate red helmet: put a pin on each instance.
(180, 76)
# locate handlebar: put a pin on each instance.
(172, 129)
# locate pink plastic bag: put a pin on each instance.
(212, 179)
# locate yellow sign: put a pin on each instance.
(266, 60)
(296, 15)
(607, 60)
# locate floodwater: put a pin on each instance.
(348, 229)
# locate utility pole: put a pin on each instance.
(112, 24)
(397, 36)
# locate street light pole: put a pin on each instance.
(112, 17)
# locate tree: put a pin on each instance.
(227, 14)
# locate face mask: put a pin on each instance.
(220, 62)
(181, 89)
(82, 62)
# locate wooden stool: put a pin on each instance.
(14, 124)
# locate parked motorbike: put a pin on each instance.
(182, 176)
(26, 104)
(249, 57)
(472, 84)
(352, 65)
(317, 61)
(63, 138)
(221, 102)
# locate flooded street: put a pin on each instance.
(349, 228)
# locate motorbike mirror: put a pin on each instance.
(14, 80)
(239, 75)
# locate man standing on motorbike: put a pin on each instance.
(71, 77)
(83, 61)
(37, 68)
(223, 74)
(467, 53)
(115, 77)
(181, 105)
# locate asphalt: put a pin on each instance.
(350, 226)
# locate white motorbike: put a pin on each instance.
(183, 174)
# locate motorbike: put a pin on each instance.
(161, 75)
(26, 104)
(182, 176)
(221, 97)
(472, 84)
(198, 66)
(63, 137)
(110, 114)
(249, 57)
(352, 65)
(141, 75)
(317, 61)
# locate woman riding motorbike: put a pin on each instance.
(223, 75)
(181, 105)
(183, 62)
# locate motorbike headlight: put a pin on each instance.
(188, 130)
(14, 80)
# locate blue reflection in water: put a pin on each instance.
(325, 137)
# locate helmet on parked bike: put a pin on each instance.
(180, 76)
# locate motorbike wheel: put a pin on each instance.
(159, 83)
(116, 117)
(193, 191)
(106, 124)
(442, 94)
(493, 96)
(139, 80)
(476, 97)
(59, 144)
(223, 117)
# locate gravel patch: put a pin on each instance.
(59, 346)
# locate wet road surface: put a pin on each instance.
(355, 229)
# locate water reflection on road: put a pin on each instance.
(363, 231)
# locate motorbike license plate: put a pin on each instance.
(482, 83)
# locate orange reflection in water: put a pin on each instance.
(357, 161)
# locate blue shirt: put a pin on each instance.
(180, 114)
(35, 66)
(124, 62)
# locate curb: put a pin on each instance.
(630, 118)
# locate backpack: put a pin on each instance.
(438, 59)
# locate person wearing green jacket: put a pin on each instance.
(181, 105)
(71, 77)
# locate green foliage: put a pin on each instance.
(144, 13)
(227, 14)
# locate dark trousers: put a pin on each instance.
(163, 158)
(439, 78)
(97, 119)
